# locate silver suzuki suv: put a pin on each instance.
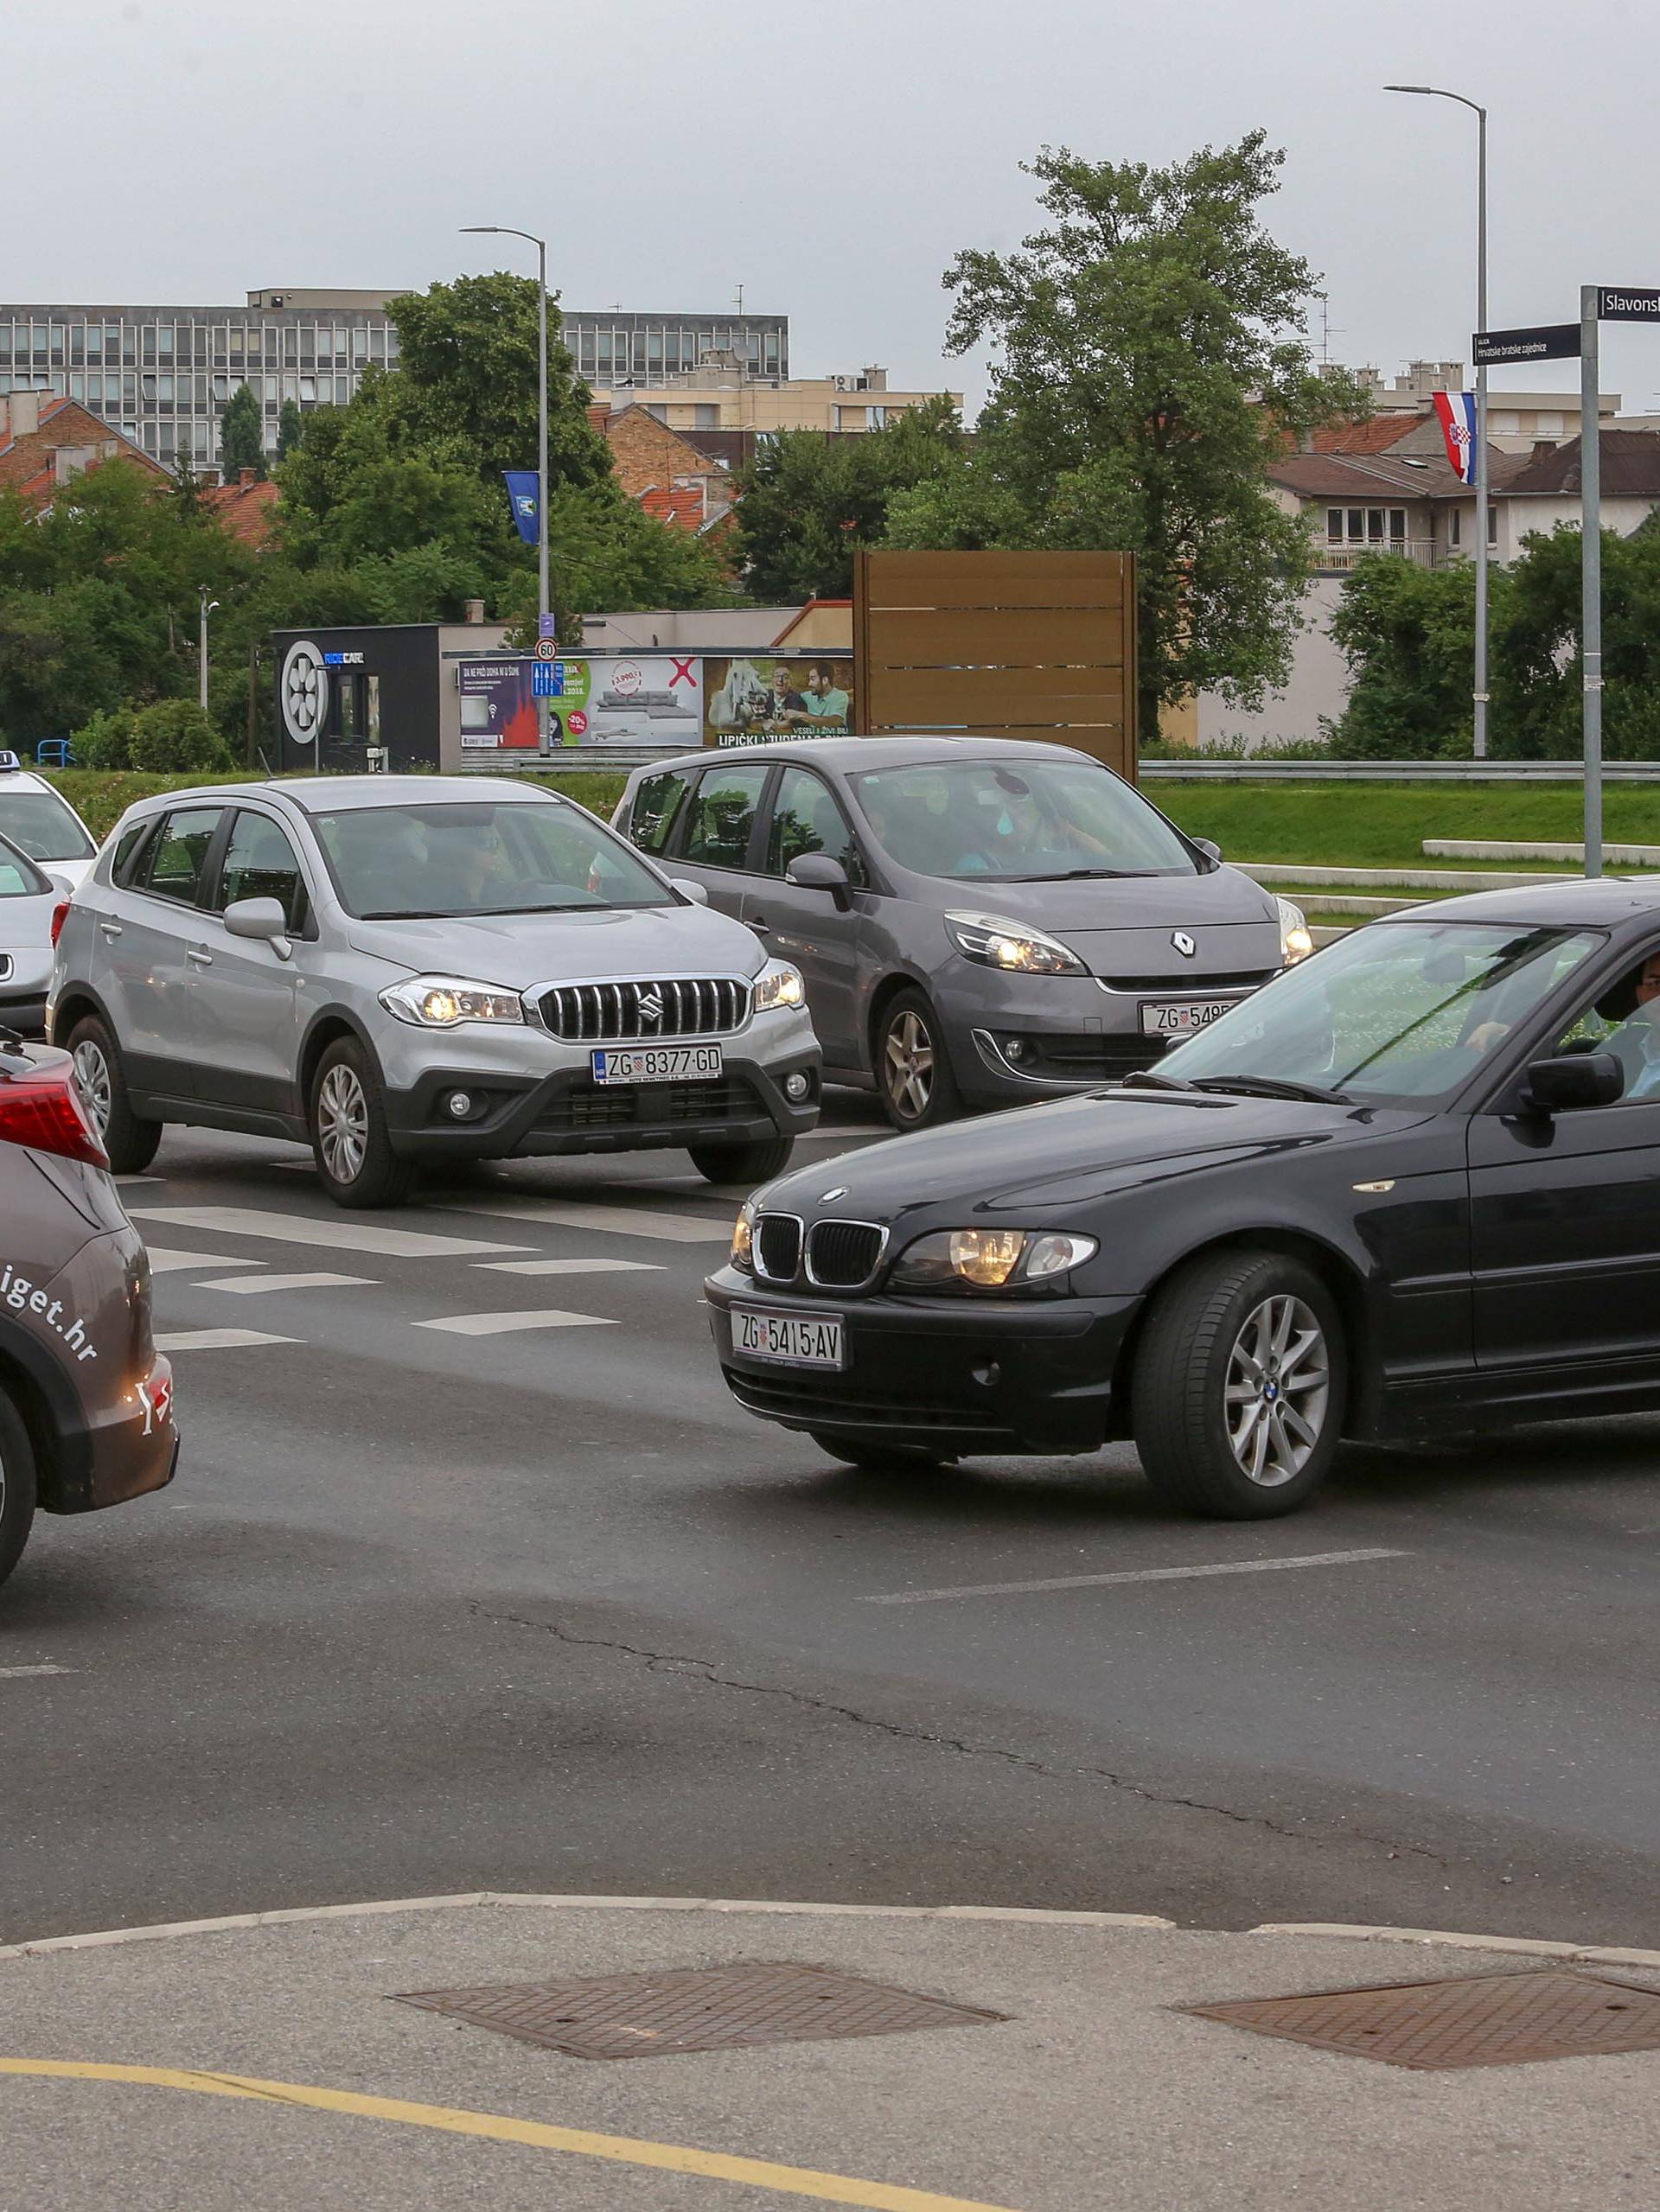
(398, 969)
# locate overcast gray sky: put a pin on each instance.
(830, 157)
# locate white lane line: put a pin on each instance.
(1134, 1574)
(569, 1266)
(17, 1673)
(216, 1340)
(325, 1235)
(500, 1324)
(241, 1285)
(618, 1220)
(163, 1260)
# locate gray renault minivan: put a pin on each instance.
(980, 921)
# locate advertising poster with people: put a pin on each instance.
(748, 700)
(596, 699)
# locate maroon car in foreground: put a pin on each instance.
(85, 1400)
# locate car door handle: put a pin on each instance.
(110, 929)
(200, 957)
(761, 925)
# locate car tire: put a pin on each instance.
(750, 1163)
(129, 1140)
(914, 1073)
(881, 1458)
(1239, 1385)
(16, 1486)
(350, 1142)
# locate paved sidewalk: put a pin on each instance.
(1091, 2094)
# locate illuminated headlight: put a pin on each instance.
(443, 1002)
(994, 943)
(989, 1259)
(778, 984)
(743, 1238)
(1295, 943)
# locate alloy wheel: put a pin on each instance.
(1277, 1391)
(342, 1123)
(908, 1070)
(93, 1078)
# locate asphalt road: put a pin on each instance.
(437, 1606)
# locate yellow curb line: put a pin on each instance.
(623, 2150)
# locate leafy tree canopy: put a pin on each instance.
(242, 435)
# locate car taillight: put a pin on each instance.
(44, 1111)
(60, 915)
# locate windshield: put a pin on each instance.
(39, 824)
(1030, 822)
(1396, 1010)
(469, 857)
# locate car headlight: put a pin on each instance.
(443, 1002)
(778, 984)
(1295, 943)
(743, 1238)
(995, 943)
(989, 1259)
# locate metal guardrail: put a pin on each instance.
(1249, 771)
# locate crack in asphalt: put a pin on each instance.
(704, 1670)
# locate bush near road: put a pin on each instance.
(1331, 825)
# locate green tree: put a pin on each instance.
(1408, 633)
(291, 430)
(809, 501)
(242, 435)
(1149, 362)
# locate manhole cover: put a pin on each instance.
(1487, 2020)
(704, 2008)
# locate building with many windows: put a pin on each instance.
(162, 375)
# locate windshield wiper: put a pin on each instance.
(1149, 1079)
(1076, 875)
(1271, 1087)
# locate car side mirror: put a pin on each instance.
(698, 893)
(817, 871)
(1212, 850)
(262, 920)
(1576, 1080)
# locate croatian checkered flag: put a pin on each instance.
(1457, 411)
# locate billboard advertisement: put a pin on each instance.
(614, 698)
(751, 699)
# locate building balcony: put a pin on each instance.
(1338, 560)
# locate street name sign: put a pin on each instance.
(1546, 341)
(1620, 303)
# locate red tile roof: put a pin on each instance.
(28, 463)
(245, 508)
(681, 507)
(1375, 436)
(1630, 469)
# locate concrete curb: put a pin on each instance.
(1031, 1915)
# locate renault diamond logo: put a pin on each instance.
(650, 1004)
(1182, 943)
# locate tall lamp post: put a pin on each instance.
(1436, 92)
(543, 608)
(206, 605)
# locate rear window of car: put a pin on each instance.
(722, 816)
(39, 824)
(180, 853)
(19, 877)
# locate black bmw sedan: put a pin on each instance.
(1410, 1189)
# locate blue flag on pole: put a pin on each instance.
(524, 492)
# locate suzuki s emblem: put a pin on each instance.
(650, 1004)
(829, 1197)
(1182, 943)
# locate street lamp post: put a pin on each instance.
(543, 608)
(206, 607)
(1435, 91)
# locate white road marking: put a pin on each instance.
(1134, 1574)
(16, 1673)
(244, 1284)
(216, 1340)
(165, 1261)
(499, 1324)
(326, 1234)
(619, 1220)
(569, 1266)
(126, 1182)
